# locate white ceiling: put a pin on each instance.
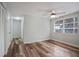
(35, 8)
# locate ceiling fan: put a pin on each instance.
(52, 13)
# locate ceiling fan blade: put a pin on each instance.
(61, 13)
(46, 14)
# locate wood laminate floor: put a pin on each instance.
(47, 49)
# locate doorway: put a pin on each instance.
(17, 27)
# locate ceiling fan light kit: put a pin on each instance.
(53, 16)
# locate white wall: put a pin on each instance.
(36, 28)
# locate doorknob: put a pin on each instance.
(9, 32)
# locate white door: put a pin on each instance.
(1, 31)
(1, 39)
(16, 28)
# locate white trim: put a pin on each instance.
(66, 42)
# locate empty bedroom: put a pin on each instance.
(39, 29)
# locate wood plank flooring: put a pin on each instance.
(45, 49)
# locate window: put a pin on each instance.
(69, 25)
(59, 26)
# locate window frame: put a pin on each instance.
(73, 28)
